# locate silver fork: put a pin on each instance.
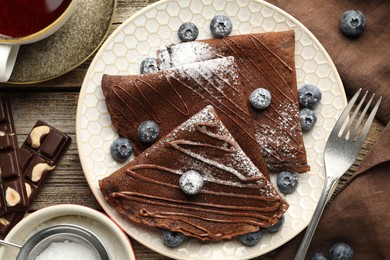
(341, 150)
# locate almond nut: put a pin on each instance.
(36, 135)
(12, 197)
(39, 170)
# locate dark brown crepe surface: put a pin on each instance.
(264, 60)
(236, 197)
(172, 96)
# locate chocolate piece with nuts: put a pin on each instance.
(38, 156)
(13, 196)
(40, 153)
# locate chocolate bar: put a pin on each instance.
(38, 156)
(13, 195)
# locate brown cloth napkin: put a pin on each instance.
(362, 62)
(360, 214)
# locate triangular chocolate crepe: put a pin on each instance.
(235, 199)
(264, 60)
(172, 96)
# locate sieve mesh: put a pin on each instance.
(84, 239)
(60, 238)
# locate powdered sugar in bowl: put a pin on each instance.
(111, 236)
(62, 242)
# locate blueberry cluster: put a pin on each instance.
(309, 97)
(339, 251)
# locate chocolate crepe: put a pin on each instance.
(236, 197)
(172, 96)
(264, 60)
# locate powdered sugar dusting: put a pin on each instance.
(219, 73)
(190, 52)
(274, 140)
(238, 164)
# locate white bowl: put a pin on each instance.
(115, 240)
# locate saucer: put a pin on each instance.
(69, 47)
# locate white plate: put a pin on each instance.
(114, 239)
(156, 25)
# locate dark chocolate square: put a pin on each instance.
(6, 141)
(53, 143)
(25, 156)
(9, 165)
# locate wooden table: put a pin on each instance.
(55, 101)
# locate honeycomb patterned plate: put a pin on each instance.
(155, 26)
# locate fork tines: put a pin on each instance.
(353, 134)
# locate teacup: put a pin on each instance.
(26, 21)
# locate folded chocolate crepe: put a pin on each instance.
(171, 96)
(264, 60)
(236, 197)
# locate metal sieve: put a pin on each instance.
(41, 240)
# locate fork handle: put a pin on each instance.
(328, 187)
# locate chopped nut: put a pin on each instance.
(36, 135)
(28, 189)
(12, 197)
(39, 170)
(4, 222)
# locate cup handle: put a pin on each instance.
(8, 55)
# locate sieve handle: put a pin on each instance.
(3, 242)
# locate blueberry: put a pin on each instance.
(308, 119)
(121, 149)
(318, 256)
(172, 239)
(188, 32)
(191, 182)
(221, 26)
(250, 239)
(275, 228)
(309, 96)
(353, 23)
(287, 181)
(341, 251)
(148, 65)
(260, 98)
(148, 131)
